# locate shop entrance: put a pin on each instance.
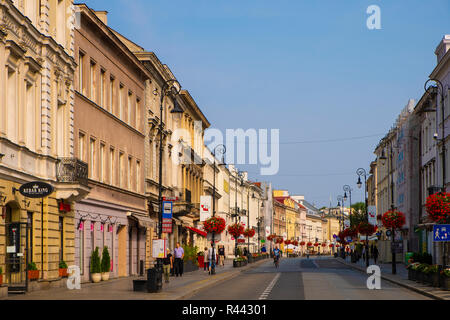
(16, 251)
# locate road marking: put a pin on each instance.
(268, 290)
(317, 266)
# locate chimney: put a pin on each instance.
(443, 47)
(102, 15)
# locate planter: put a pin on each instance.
(201, 262)
(189, 266)
(235, 264)
(1, 279)
(105, 276)
(33, 274)
(419, 276)
(63, 273)
(446, 283)
(434, 277)
(96, 277)
(426, 278)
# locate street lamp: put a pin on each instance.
(348, 189)
(362, 172)
(171, 88)
(221, 150)
(236, 209)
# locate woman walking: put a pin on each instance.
(222, 256)
(205, 263)
(167, 265)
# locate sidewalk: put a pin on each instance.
(401, 278)
(122, 289)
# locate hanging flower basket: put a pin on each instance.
(316, 244)
(302, 243)
(324, 245)
(350, 232)
(393, 219)
(295, 243)
(331, 246)
(249, 233)
(367, 229)
(271, 237)
(310, 244)
(288, 242)
(279, 240)
(236, 230)
(438, 207)
(214, 224)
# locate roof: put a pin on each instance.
(281, 200)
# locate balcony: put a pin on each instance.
(72, 170)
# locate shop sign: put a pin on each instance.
(36, 190)
(159, 249)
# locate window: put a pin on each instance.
(93, 82)
(130, 168)
(60, 22)
(121, 102)
(102, 87)
(81, 87)
(30, 126)
(138, 176)
(102, 162)
(92, 159)
(12, 105)
(111, 166)
(81, 147)
(130, 94)
(111, 94)
(121, 171)
(138, 114)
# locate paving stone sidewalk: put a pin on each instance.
(122, 289)
(401, 278)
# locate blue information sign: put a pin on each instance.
(167, 209)
(441, 233)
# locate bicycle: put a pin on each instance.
(276, 261)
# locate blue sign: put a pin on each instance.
(167, 209)
(441, 233)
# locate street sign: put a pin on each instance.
(372, 211)
(171, 199)
(441, 233)
(36, 190)
(205, 208)
(397, 246)
(167, 217)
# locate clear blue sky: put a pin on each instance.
(309, 68)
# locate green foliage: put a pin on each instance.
(106, 260)
(422, 257)
(32, 266)
(63, 265)
(95, 262)
(446, 273)
(358, 214)
(1, 271)
(434, 269)
(190, 253)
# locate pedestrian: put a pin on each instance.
(364, 253)
(375, 254)
(206, 263)
(222, 256)
(211, 257)
(245, 251)
(167, 265)
(179, 256)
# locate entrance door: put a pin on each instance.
(122, 252)
(16, 255)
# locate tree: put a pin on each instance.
(358, 213)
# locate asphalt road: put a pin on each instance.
(303, 279)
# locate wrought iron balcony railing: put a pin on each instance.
(72, 170)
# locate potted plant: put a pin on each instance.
(412, 270)
(63, 269)
(426, 271)
(434, 275)
(1, 276)
(190, 258)
(105, 264)
(33, 272)
(445, 279)
(96, 267)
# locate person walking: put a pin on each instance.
(206, 261)
(211, 259)
(179, 256)
(222, 256)
(167, 265)
(375, 254)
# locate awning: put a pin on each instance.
(200, 232)
(143, 221)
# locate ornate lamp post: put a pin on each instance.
(221, 150)
(236, 209)
(348, 189)
(362, 172)
(171, 88)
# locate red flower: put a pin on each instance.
(236, 230)
(249, 233)
(438, 207)
(295, 243)
(324, 245)
(316, 244)
(302, 243)
(393, 219)
(310, 244)
(214, 224)
(331, 245)
(367, 229)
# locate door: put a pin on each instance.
(122, 252)
(16, 257)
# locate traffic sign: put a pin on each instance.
(441, 233)
(397, 246)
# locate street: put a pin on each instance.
(303, 279)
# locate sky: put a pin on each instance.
(311, 69)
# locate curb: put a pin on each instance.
(397, 282)
(211, 283)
